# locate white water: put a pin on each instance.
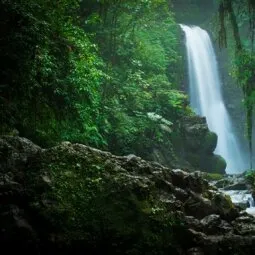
(242, 197)
(206, 98)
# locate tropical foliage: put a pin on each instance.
(90, 71)
(241, 17)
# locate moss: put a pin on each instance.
(210, 142)
(214, 164)
(223, 183)
(219, 164)
(83, 202)
(224, 204)
(250, 178)
(194, 159)
(213, 176)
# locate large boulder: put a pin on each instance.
(195, 130)
(192, 145)
(74, 199)
(199, 144)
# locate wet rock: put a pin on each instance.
(79, 198)
(244, 225)
(193, 223)
(213, 224)
(222, 183)
(236, 186)
(239, 197)
(198, 206)
(192, 150)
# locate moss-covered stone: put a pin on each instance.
(225, 206)
(250, 178)
(73, 199)
(199, 144)
(214, 164)
(94, 200)
(194, 159)
(213, 176)
(210, 142)
(218, 164)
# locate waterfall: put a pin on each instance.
(251, 201)
(206, 98)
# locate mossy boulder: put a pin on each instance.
(186, 144)
(83, 199)
(194, 159)
(250, 178)
(210, 142)
(213, 176)
(194, 131)
(214, 164)
(218, 164)
(74, 199)
(199, 144)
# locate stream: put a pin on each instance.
(236, 187)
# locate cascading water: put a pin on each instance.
(206, 98)
(240, 197)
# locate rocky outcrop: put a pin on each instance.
(239, 188)
(193, 146)
(74, 199)
(199, 145)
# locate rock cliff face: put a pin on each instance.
(193, 148)
(73, 199)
